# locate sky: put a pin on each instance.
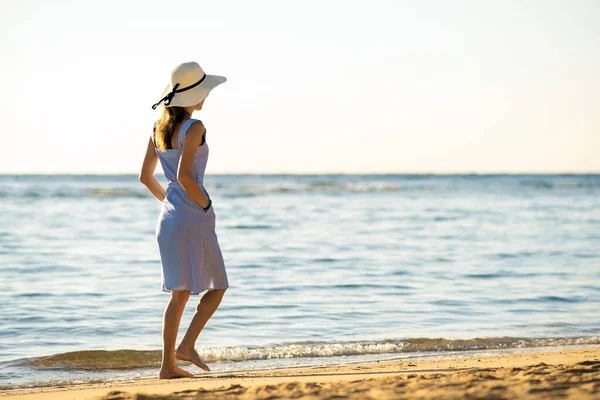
(313, 86)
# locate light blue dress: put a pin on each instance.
(189, 250)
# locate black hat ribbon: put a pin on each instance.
(167, 99)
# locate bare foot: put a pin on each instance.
(174, 373)
(192, 356)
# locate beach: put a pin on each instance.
(416, 215)
(564, 374)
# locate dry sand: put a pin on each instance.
(567, 374)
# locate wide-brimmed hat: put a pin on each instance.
(189, 86)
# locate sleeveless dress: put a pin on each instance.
(189, 249)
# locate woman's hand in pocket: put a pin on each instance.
(208, 204)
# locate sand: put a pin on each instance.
(560, 374)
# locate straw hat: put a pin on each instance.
(189, 86)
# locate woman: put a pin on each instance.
(189, 250)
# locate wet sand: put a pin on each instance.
(566, 374)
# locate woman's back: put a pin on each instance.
(169, 160)
(177, 132)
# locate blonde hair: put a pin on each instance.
(165, 126)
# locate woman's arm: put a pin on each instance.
(147, 173)
(186, 178)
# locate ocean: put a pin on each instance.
(322, 269)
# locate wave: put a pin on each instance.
(231, 192)
(575, 184)
(318, 186)
(128, 186)
(130, 359)
(117, 192)
(250, 190)
(43, 193)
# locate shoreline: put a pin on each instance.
(568, 373)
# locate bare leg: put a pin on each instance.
(205, 309)
(171, 319)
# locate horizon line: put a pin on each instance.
(306, 173)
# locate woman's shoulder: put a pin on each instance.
(196, 132)
(196, 127)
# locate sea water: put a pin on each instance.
(322, 269)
